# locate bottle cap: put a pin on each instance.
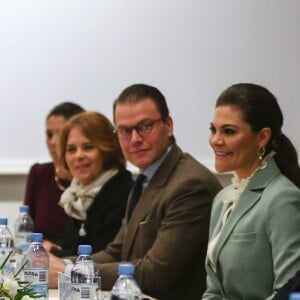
(36, 237)
(84, 249)
(24, 208)
(294, 296)
(3, 221)
(126, 269)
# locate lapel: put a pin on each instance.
(250, 196)
(154, 188)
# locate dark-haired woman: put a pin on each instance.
(46, 181)
(254, 231)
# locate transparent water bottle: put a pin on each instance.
(6, 243)
(37, 267)
(85, 279)
(294, 296)
(126, 288)
(23, 230)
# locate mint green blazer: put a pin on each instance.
(259, 248)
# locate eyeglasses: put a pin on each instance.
(143, 128)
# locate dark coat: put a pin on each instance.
(103, 217)
(292, 286)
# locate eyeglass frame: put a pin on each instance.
(121, 130)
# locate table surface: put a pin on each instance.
(53, 295)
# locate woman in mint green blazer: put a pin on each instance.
(254, 245)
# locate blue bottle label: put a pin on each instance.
(22, 241)
(38, 277)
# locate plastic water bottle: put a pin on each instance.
(37, 267)
(23, 230)
(294, 296)
(85, 279)
(6, 242)
(126, 288)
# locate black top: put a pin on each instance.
(103, 220)
(292, 286)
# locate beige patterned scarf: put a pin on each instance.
(78, 198)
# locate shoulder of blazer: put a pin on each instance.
(161, 175)
(264, 176)
(180, 163)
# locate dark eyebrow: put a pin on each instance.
(230, 125)
(137, 124)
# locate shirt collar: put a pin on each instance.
(149, 172)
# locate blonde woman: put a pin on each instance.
(97, 197)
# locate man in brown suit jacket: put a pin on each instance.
(167, 232)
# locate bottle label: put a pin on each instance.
(38, 278)
(22, 241)
(125, 297)
(84, 291)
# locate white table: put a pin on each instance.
(53, 295)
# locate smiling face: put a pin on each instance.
(82, 157)
(143, 150)
(234, 143)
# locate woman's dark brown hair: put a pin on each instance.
(261, 109)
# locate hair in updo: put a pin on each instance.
(260, 109)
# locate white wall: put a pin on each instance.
(11, 197)
(88, 51)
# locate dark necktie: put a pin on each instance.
(136, 193)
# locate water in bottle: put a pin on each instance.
(23, 230)
(85, 279)
(36, 269)
(6, 243)
(294, 296)
(126, 288)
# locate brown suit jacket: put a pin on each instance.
(166, 237)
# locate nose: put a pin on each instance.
(216, 139)
(135, 136)
(53, 140)
(79, 153)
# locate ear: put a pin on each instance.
(169, 123)
(264, 136)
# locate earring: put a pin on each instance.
(261, 152)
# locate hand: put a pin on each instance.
(48, 245)
(56, 265)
